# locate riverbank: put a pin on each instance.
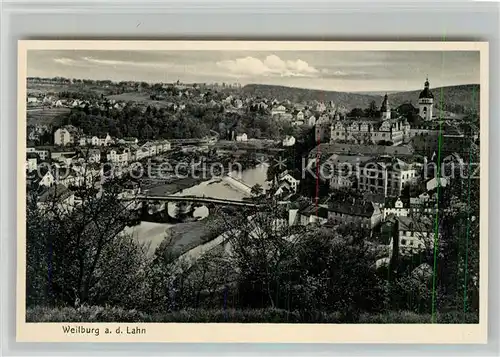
(183, 236)
(187, 235)
(176, 186)
(149, 233)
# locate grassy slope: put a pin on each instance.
(108, 314)
(45, 116)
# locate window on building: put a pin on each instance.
(403, 241)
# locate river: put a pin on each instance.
(154, 233)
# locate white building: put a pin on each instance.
(415, 235)
(72, 178)
(66, 135)
(120, 157)
(385, 109)
(96, 141)
(47, 180)
(241, 137)
(426, 102)
(147, 150)
(354, 211)
(288, 182)
(58, 198)
(386, 175)
(163, 146)
(279, 110)
(43, 154)
(31, 163)
(434, 182)
(320, 107)
(309, 215)
(128, 141)
(105, 141)
(311, 121)
(340, 181)
(396, 207)
(289, 141)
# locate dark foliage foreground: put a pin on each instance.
(113, 314)
(260, 270)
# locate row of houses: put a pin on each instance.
(121, 154)
(350, 210)
(71, 135)
(415, 220)
(34, 100)
(380, 174)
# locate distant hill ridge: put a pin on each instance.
(465, 96)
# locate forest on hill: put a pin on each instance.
(458, 99)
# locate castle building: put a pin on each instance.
(426, 102)
(371, 130)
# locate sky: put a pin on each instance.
(349, 71)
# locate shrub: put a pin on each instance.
(114, 314)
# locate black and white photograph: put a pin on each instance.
(243, 186)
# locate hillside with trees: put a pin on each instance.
(457, 99)
(196, 121)
(297, 95)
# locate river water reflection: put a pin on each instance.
(154, 233)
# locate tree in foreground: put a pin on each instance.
(79, 254)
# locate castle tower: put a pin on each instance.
(385, 110)
(426, 102)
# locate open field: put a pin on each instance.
(41, 88)
(45, 116)
(139, 98)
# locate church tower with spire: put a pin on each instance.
(385, 110)
(426, 102)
